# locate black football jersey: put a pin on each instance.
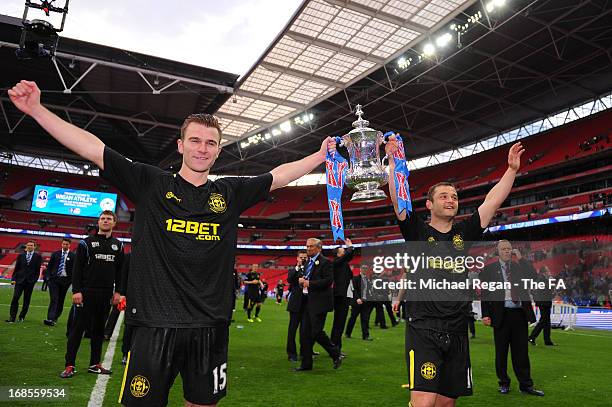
(183, 243)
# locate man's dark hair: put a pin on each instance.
(432, 189)
(207, 120)
(65, 239)
(107, 212)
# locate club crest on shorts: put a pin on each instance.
(140, 386)
(216, 202)
(428, 371)
(458, 242)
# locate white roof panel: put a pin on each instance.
(330, 44)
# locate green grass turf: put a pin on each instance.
(577, 372)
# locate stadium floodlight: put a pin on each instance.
(444, 39)
(39, 38)
(285, 126)
(493, 4)
(429, 49)
(276, 132)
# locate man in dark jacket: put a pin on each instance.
(27, 271)
(543, 299)
(59, 276)
(359, 306)
(342, 279)
(96, 282)
(508, 310)
(317, 301)
(294, 303)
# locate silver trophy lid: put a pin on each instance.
(360, 124)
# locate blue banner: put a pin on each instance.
(335, 170)
(66, 201)
(400, 176)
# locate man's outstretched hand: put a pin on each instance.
(25, 96)
(514, 156)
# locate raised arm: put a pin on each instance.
(289, 172)
(26, 97)
(390, 149)
(498, 194)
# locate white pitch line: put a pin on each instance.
(31, 306)
(97, 394)
(581, 334)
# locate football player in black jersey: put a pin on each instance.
(183, 250)
(96, 279)
(253, 285)
(437, 348)
(280, 288)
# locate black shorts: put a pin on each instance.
(157, 355)
(438, 362)
(254, 298)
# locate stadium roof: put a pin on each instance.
(327, 46)
(512, 65)
(502, 66)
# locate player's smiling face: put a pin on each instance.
(200, 147)
(445, 202)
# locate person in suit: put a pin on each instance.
(509, 312)
(317, 301)
(359, 307)
(294, 303)
(342, 278)
(471, 318)
(59, 277)
(380, 305)
(27, 271)
(543, 299)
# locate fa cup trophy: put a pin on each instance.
(366, 172)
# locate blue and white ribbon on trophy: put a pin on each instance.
(335, 171)
(400, 176)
